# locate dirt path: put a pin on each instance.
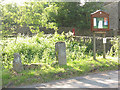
(96, 80)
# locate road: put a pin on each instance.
(93, 80)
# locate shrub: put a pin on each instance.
(41, 49)
(114, 48)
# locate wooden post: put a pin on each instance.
(104, 48)
(94, 46)
(119, 50)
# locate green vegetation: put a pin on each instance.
(41, 49)
(50, 73)
(43, 14)
(114, 48)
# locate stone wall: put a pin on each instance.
(113, 10)
(99, 43)
(78, 32)
(119, 15)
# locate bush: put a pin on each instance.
(114, 48)
(41, 49)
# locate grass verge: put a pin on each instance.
(50, 73)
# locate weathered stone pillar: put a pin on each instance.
(17, 64)
(60, 50)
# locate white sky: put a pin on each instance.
(20, 2)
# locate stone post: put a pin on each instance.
(60, 50)
(17, 64)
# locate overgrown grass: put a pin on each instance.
(41, 49)
(49, 73)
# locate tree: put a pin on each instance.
(71, 14)
(50, 15)
(9, 18)
(31, 15)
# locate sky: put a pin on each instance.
(20, 2)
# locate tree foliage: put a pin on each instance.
(50, 15)
(72, 14)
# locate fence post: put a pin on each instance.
(119, 50)
(104, 48)
(94, 46)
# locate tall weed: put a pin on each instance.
(41, 49)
